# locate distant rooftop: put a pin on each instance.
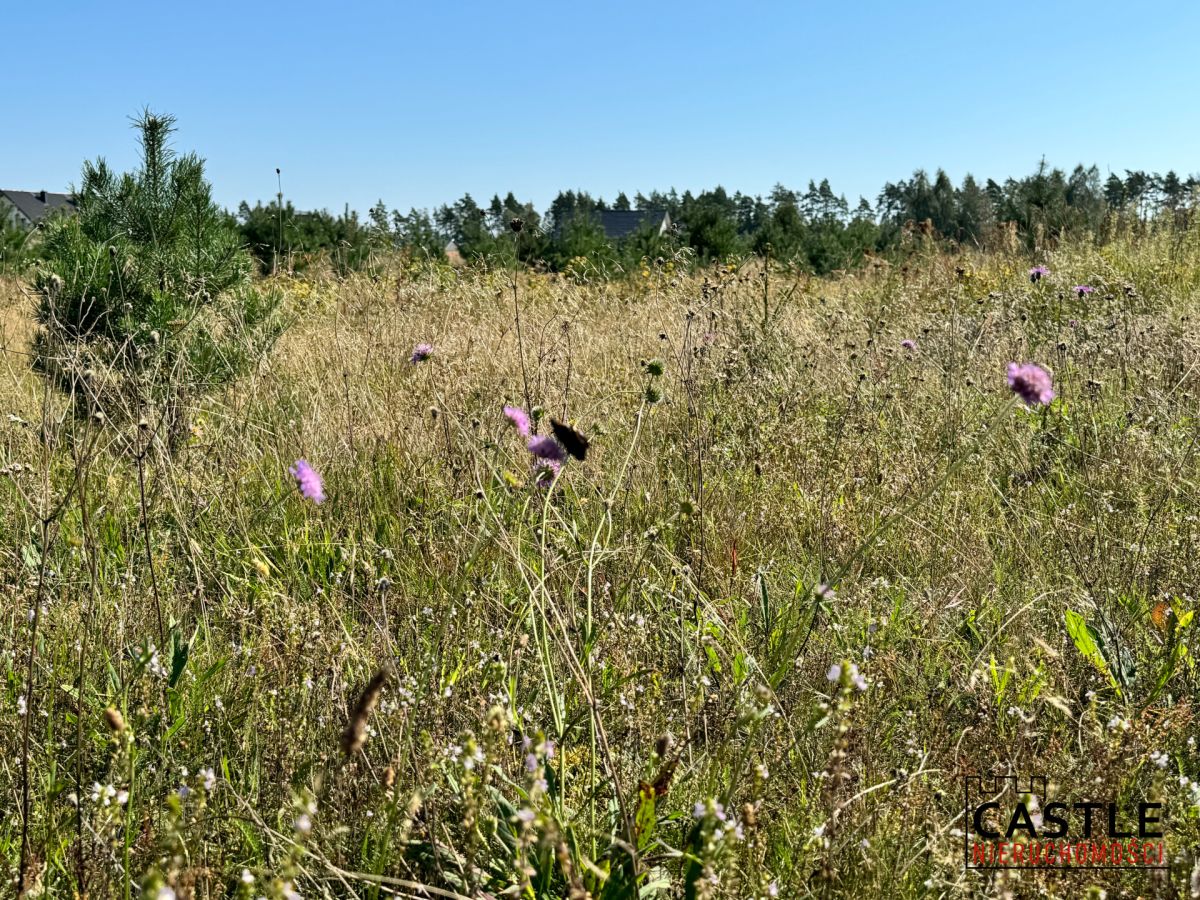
(620, 223)
(34, 206)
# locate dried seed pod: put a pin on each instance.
(355, 734)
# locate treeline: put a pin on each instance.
(815, 229)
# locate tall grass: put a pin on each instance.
(805, 578)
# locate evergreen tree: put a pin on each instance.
(974, 213)
(1172, 191)
(466, 224)
(783, 235)
(1114, 192)
(710, 225)
(144, 298)
(417, 233)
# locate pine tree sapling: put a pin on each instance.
(145, 297)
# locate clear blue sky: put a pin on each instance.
(418, 103)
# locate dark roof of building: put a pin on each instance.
(620, 223)
(36, 205)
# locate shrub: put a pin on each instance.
(19, 249)
(145, 297)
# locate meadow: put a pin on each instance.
(819, 561)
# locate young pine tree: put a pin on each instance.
(145, 297)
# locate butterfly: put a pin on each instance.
(573, 442)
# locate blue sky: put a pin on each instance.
(418, 103)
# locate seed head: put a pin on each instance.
(355, 734)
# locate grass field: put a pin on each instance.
(806, 577)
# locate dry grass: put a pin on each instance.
(668, 585)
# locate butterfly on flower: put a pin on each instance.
(573, 442)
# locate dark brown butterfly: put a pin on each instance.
(573, 442)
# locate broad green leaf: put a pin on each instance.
(1085, 640)
(645, 820)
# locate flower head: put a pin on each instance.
(545, 471)
(421, 352)
(857, 679)
(908, 344)
(1036, 273)
(547, 449)
(1083, 289)
(310, 483)
(519, 418)
(1031, 383)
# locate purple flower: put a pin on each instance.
(1031, 383)
(1082, 289)
(545, 471)
(1036, 273)
(548, 459)
(421, 352)
(546, 449)
(309, 482)
(908, 344)
(519, 418)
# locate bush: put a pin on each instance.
(145, 297)
(18, 248)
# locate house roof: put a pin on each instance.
(36, 205)
(620, 223)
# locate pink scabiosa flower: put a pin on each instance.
(1083, 290)
(1037, 273)
(544, 447)
(1031, 383)
(548, 459)
(909, 344)
(421, 352)
(545, 471)
(310, 483)
(519, 418)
